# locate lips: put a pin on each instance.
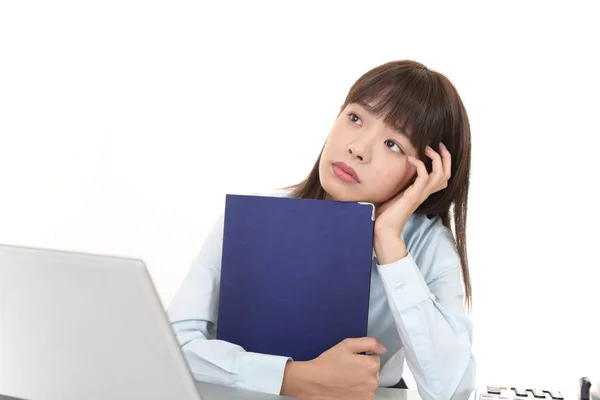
(345, 172)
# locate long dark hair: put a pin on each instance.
(424, 105)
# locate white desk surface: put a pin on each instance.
(215, 392)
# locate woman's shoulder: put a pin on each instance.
(422, 227)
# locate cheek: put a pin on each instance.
(390, 180)
(341, 133)
(335, 138)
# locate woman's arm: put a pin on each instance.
(193, 314)
(430, 317)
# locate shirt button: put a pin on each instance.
(399, 285)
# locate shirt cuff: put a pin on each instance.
(261, 372)
(404, 282)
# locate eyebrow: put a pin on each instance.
(366, 106)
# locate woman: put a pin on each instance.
(401, 141)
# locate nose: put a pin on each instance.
(359, 151)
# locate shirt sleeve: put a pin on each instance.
(435, 331)
(193, 317)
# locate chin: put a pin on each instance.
(339, 191)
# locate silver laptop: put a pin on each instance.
(80, 326)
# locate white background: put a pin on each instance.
(123, 125)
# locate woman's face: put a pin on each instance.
(364, 159)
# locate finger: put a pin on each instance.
(422, 174)
(373, 362)
(446, 160)
(364, 344)
(437, 170)
(437, 180)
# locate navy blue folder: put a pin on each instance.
(295, 274)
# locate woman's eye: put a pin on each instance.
(355, 118)
(392, 145)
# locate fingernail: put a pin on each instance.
(428, 147)
(383, 347)
(442, 145)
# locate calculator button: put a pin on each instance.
(555, 394)
(520, 391)
(486, 396)
(493, 390)
(538, 393)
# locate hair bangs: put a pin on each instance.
(410, 101)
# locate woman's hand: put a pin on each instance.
(339, 373)
(393, 214)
